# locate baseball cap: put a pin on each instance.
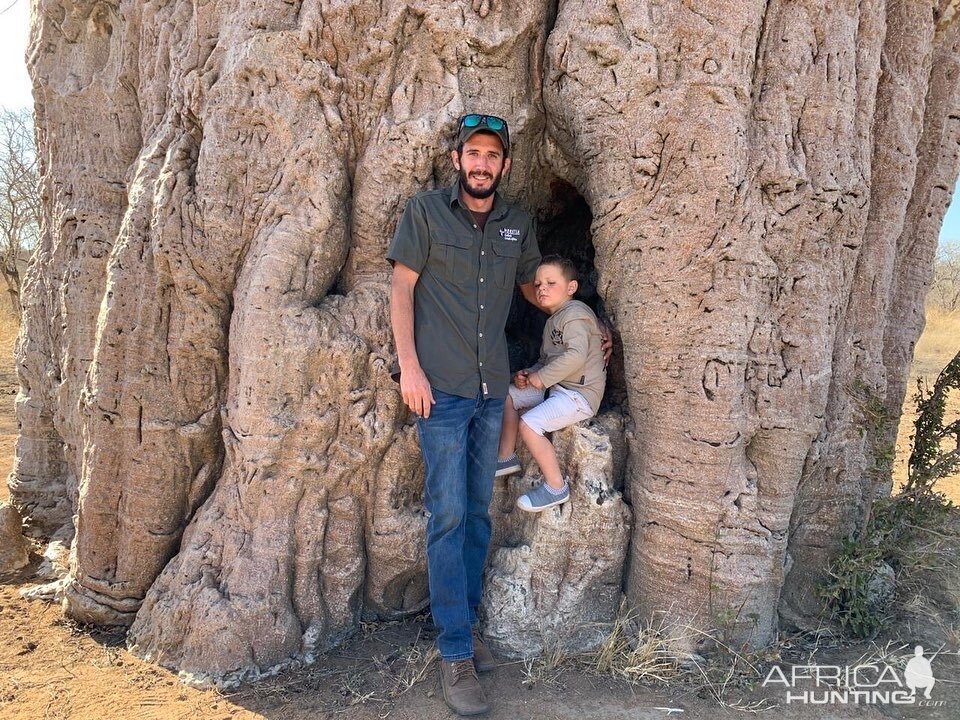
(474, 123)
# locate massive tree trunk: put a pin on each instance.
(753, 190)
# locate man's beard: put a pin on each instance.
(474, 192)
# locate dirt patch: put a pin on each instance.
(50, 668)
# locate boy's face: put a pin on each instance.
(553, 289)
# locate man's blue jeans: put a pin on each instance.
(459, 442)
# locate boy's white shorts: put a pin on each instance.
(563, 408)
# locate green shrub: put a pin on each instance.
(853, 591)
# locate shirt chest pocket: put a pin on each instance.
(453, 258)
(505, 253)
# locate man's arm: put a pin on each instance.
(527, 264)
(414, 386)
(530, 293)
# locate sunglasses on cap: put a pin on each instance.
(491, 121)
(470, 124)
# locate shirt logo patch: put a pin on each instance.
(556, 336)
(512, 234)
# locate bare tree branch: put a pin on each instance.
(945, 289)
(19, 197)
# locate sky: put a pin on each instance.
(950, 232)
(15, 88)
(14, 83)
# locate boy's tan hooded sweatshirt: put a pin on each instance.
(571, 355)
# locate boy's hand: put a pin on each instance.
(520, 379)
(534, 379)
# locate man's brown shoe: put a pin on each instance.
(483, 659)
(461, 688)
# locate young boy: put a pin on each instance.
(571, 365)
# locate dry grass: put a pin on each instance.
(939, 342)
(9, 327)
(633, 651)
(638, 652)
(8, 388)
(656, 653)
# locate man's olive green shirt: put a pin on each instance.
(463, 295)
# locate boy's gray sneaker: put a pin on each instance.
(540, 499)
(509, 466)
(461, 687)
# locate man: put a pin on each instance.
(456, 255)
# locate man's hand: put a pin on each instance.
(520, 379)
(530, 293)
(606, 341)
(416, 391)
(534, 379)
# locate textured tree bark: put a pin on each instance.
(204, 360)
(915, 108)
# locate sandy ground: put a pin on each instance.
(52, 669)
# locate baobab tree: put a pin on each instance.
(752, 191)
